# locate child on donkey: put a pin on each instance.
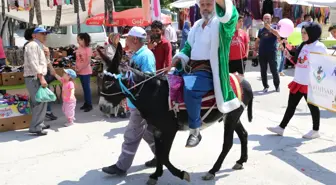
(68, 94)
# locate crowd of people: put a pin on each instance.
(38, 71)
(269, 48)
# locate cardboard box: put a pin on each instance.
(64, 54)
(15, 78)
(15, 123)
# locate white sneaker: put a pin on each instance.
(278, 130)
(313, 134)
(68, 124)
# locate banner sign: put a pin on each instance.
(322, 81)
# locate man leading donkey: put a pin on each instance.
(206, 52)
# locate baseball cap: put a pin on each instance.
(137, 32)
(40, 30)
(71, 73)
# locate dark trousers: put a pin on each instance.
(293, 101)
(2, 63)
(269, 58)
(237, 66)
(85, 80)
(174, 47)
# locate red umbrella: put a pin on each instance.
(130, 17)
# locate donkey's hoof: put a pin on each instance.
(151, 181)
(208, 176)
(186, 176)
(238, 166)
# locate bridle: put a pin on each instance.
(124, 89)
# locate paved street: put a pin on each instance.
(75, 155)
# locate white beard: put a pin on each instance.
(209, 16)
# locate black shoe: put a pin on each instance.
(122, 115)
(193, 140)
(39, 133)
(46, 127)
(51, 116)
(88, 108)
(151, 163)
(114, 170)
(83, 107)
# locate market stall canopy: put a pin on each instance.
(130, 17)
(330, 3)
(304, 3)
(49, 14)
(183, 3)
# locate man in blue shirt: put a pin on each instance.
(266, 44)
(137, 127)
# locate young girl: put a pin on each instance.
(299, 86)
(68, 94)
(83, 68)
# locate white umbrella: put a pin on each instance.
(183, 3)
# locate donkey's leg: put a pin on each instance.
(243, 135)
(168, 141)
(153, 178)
(230, 123)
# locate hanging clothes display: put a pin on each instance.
(297, 9)
(198, 15)
(267, 7)
(278, 12)
(58, 16)
(192, 15)
(287, 11)
(3, 9)
(247, 22)
(255, 9)
(38, 12)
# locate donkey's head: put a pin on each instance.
(117, 86)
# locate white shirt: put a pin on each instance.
(35, 61)
(170, 34)
(302, 68)
(201, 47)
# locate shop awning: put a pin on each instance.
(49, 14)
(304, 3)
(183, 3)
(330, 3)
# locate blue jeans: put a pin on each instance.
(196, 85)
(49, 107)
(85, 81)
(282, 62)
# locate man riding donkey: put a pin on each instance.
(206, 54)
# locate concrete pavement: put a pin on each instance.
(75, 155)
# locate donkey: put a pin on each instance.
(150, 93)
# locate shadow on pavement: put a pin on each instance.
(285, 149)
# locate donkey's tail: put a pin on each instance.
(249, 110)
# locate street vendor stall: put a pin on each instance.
(47, 12)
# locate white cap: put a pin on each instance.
(137, 32)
